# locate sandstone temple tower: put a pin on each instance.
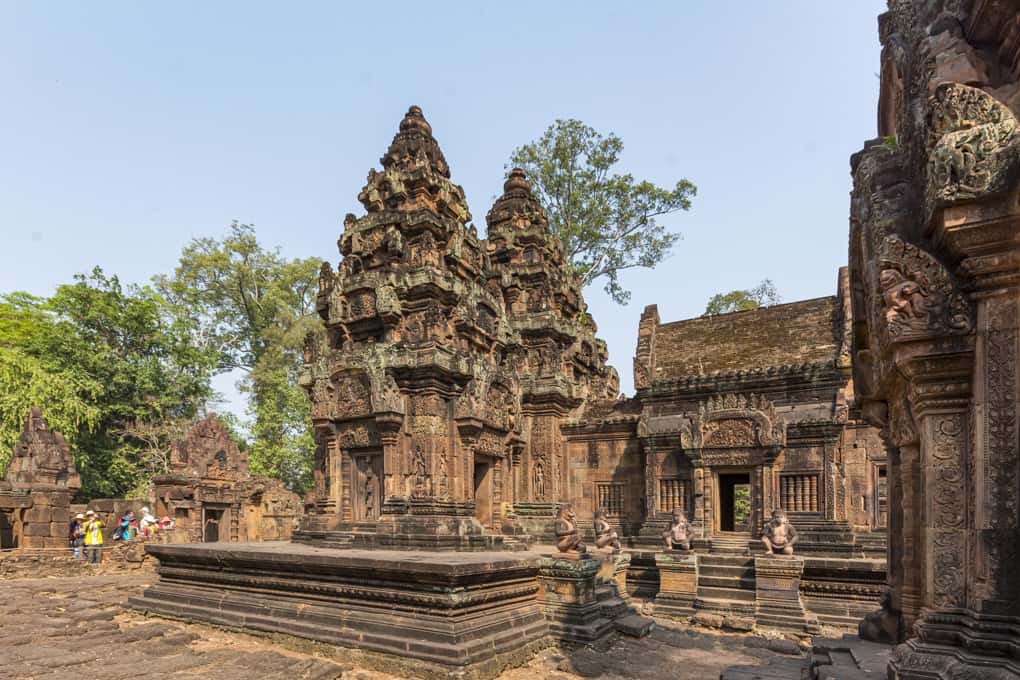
(447, 365)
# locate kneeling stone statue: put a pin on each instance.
(604, 534)
(568, 540)
(677, 537)
(779, 535)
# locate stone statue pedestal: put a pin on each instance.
(568, 596)
(678, 584)
(777, 594)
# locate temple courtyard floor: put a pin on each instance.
(77, 627)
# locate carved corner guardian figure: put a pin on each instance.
(604, 534)
(677, 537)
(779, 535)
(568, 540)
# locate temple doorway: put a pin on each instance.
(6, 531)
(212, 520)
(735, 502)
(483, 491)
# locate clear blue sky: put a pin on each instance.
(129, 128)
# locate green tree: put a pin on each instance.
(741, 503)
(608, 222)
(763, 294)
(252, 307)
(100, 360)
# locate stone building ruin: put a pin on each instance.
(37, 488)
(211, 496)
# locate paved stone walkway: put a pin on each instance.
(76, 628)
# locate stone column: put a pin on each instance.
(996, 586)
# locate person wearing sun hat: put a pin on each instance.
(76, 536)
(148, 523)
(93, 537)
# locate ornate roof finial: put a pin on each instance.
(517, 181)
(414, 118)
(414, 145)
(517, 207)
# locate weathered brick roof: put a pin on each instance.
(794, 333)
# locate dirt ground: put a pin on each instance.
(77, 628)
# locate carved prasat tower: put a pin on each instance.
(36, 491)
(438, 388)
(447, 365)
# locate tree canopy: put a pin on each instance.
(763, 294)
(608, 222)
(99, 358)
(251, 308)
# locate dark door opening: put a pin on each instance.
(6, 531)
(211, 528)
(483, 492)
(735, 501)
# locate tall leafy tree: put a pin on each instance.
(763, 294)
(251, 307)
(101, 359)
(608, 222)
(67, 396)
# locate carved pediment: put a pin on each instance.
(973, 144)
(729, 433)
(918, 297)
(386, 395)
(738, 421)
(352, 394)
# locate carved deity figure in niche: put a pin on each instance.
(443, 481)
(779, 535)
(904, 299)
(369, 495)
(539, 481)
(604, 534)
(390, 398)
(568, 539)
(427, 251)
(420, 473)
(678, 536)
(393, 243)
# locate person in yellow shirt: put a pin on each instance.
(93, 537)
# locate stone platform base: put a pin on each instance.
(458, 614)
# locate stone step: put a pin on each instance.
(725, 582)
(634, 625)
(726, 571)
(614, 608)
(716, 593)
(725, 560)
(726, 607)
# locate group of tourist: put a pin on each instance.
(85, 534)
